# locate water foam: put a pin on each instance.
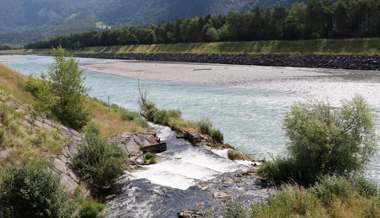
(183, 165)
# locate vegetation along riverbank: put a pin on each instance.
(356, 54)
(79, 153)
(328, 34)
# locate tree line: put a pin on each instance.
(311, 20)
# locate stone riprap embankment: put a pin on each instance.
(313, 61)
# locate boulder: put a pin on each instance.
(136, 144)
(194, 138)
(155, 148)
(191, 214)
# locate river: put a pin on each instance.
(249, 114)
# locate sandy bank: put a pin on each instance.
(203, 73)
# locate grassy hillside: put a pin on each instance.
(366, 46)
(111, 121)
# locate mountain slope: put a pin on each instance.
(23, 21)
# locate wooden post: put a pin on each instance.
(109, 104)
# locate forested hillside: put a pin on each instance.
(28, 20)
(314, 20)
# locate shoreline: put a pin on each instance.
(351, 62)
(202, 73)
(218, 74)
(226, 53)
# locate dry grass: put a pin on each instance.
(13, 84)
(333, 198)
(109, 121)
(21, 137)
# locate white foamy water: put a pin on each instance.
(249, 113)
(183, 165)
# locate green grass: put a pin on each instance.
(364, 46)
(334, 197)
(173, 119)
(358, 46)
(110, 121)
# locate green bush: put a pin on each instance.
(330, 187)
(290, 201)
(279, 171)
(97, 162)
(217, 136)
(150, 158)
(32, 190)
(66, 84)
(365, 187)
(90, 209)
(205, 126)
(326, 140)
(41, 90)
(332, 196)
(173, 119)
(62, 94)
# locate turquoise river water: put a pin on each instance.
(249, 115)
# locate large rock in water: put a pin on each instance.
(136, 144)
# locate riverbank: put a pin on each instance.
(218, 74)
(356, 54)
(351, 62)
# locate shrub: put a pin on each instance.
(150, 158)
(217, 136)
(279, 170)
(327, 141)
(90, 209)
(97, 162)
(205, 126)
(62, 94)
(332, 186)
(291, 201)
(66, 84)
(365, 187)
(332, 196)
(234, 210)
(32, 190)
(173, 119)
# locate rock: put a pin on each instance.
(191, 214)
(222, 195)
(193, 137)
(136, 144)
(5, 153)
(155, 148)
(355, 62)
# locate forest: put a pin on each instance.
(312, 20)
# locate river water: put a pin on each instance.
(249, 115)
